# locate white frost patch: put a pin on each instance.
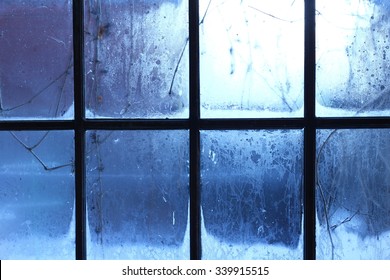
(251, 58)
(347, 246)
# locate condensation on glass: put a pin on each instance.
(353, 58)
(353, 194)
(251, 58)
(37, 195)
(251, 185)
(137, 194)
(36, 59)
(136, 58)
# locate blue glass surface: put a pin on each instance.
(137, 194)
(353, 194)
(352, 52)
(37, 195)
(36, 59)
(136, 55)
(251, 194)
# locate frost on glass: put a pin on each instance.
(137, 194)
(353, 57)
(36, 59)
(251, 58)
(36, 195)
(353, 194)
(251, 194)
(136, 58)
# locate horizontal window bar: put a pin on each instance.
(354, 122)
(207, 124)
(37, 125)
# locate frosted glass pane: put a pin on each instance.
(353, 194)
(137, 186)
(36, 59)
(136, 57)
(251, 194)
(36, 195)
(353, 57)
(251, 58)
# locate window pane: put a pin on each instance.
(353, 194)
(136, 57)
(251, 194)
(36, 195)
(36, 59)
(137, 186)
(353, 57)
(251, 58)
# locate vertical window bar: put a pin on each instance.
(79, 116)
(310, 133)
(195, 203)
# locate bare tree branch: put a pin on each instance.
(31, 151)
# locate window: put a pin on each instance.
(173, 129)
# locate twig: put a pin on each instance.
(346, 220)
(274, 17)
(38, 93)
(182, 52)
(31, 151)
(319, 186)
(177, 66)
(205, 13)
(328, 228)
(63, 87)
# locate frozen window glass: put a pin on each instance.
(353, 57)
(36, 195)
(137, 194)
(36, 59)
(353, 194)
(136, 58)
(251, 194)
(251, 58)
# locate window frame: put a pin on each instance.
(194, 124)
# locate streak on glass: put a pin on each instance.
(137, 194)
(353, 194)
(36, 59)
(136, 55)
(251, 58)
(251, 194)
(353, 58)
(37, 195)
